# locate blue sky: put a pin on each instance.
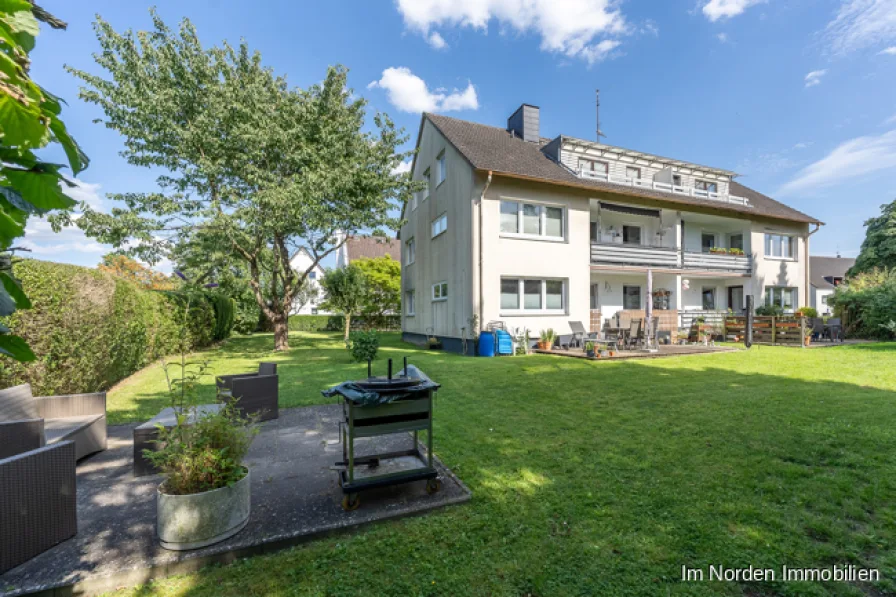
(797, 96)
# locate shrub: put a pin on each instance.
(336, 323)
(867, 303)
(363, 345)
(90, 329)
(770, 310)
(808, 311)
(224, 315)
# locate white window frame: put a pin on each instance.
(588, 165)
(715, 239)
(442, 291)
(522, 311)
(410, 251)
(794, 297)
(743, 240)
(542, 217)
(792, 240)
(706, 184)
(426, 179)
(441, 168)
(442, 220)
(410, 303)
(636, 168)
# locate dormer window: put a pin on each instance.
(705, 185)
(632, 172)
(676, 180)
(593, 167)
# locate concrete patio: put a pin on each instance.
(664, 350)
(295, 497)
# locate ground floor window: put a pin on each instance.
(631, 297)
(781, 296)
(709, 299)
(595, 300)
(410, 304)
(440, 291)
(533, 295)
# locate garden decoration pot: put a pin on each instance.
(590, 353)
(200, 519)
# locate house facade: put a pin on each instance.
(367, 247)
(537, 232)
(300, 262)
(827, 274)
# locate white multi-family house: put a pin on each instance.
(300, 262)
(827, 274)
(537, 232)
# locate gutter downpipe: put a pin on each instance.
(488, 183)
(808, 262)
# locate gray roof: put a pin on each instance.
(836, 267)
(490, 148)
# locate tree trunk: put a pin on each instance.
(348, 325)
(281, 332)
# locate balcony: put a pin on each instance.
(644, 256)
(644, 183)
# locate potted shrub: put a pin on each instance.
(718, 250)
(589, 349)
(735, 251)
(205, 497)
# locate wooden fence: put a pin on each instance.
(784, 330)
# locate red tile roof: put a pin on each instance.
(370, 247)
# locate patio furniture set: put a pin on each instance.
(43, 438)
(613, 337)
(830, 330)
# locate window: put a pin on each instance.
(595, 296)
(780, 296)
(709, 299)
(410, 304)
(676, 180)
(440, 291)
(425, 190)
(707, 241)
(312, 275)
(779, 245)
(631, 297)
(314, 311)
(413, 201)
(439, 225)
(527, 295)
(736, 241)
(443, 168)
(593, 166)
(705, 185)
(824, 299)
(532, 219)
(631, 235)
(593, 232)
(410, 251)
(632, 172)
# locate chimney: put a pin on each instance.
(524, 123)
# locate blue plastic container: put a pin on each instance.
(505, 342)
(487, 344)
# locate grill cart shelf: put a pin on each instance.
(399, 404)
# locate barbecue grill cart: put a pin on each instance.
(380, 406)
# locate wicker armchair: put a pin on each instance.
(80, 418)
(37, 492)
(255, 392)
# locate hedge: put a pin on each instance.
(91, 329)
(336, 323)
(867, 304)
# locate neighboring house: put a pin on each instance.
(300, 262)
(367, 247)
(539, 232)
(826, 274)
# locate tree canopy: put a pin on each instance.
(382, 293)
(345, 289)
(879, 247)
(248, 161)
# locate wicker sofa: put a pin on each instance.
(80, 418)
(254, 392)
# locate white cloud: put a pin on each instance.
(722, 37)
(862, 23)
(891, 51)
(890, 120)
(569, 27)
(600, 51)
(437, 41)
(403, 167)
(409, 93)
(814, 78)
(725, 9)
(851, 159)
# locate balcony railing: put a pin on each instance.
(645, 183)
(640, 255)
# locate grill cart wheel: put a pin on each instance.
(433, 485)
(351, 501)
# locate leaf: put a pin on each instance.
(21, 123)
(40, 189)
(15, 291)
(12, 225)
(77, 159)
(7, 303)
(16, 348)
(15, 199)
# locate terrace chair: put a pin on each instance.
(634, 333)
(254, 392)
(578, 333)
(835, 329)
(80, 418)
(817, 328)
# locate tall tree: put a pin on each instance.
(879, 247)
(344, 288)
(264, 167)
(383, 286)
(29, 120)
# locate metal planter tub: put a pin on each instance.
(193, 521)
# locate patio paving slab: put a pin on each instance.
(295, 497)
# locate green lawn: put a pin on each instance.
(603, 478)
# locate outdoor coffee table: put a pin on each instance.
(145, 434)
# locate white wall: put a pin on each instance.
(771, 271)
(300, 262)
(818, 297)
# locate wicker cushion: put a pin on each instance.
(17, 404)
(56, 430)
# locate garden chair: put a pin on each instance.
(817, 328)
(834, 329)
(255, 392)
(634, 333)
(578, 334)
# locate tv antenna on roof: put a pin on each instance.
(600, 133)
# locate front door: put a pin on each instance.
(736, 299)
